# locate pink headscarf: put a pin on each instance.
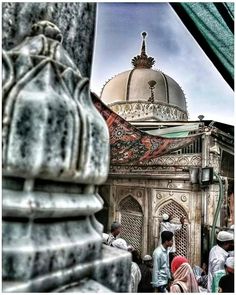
(176, 262)
(183, 276)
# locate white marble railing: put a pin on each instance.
(139, 110)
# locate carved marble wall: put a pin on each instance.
(152, 194)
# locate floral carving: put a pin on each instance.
(159, 196)
(183, 198)
(137, 110)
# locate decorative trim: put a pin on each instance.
(178, 160)
(140, 110)
(184, 161)
(183, 198)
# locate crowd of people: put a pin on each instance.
(165, 271)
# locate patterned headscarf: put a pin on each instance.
(176, 263)
(184, 277)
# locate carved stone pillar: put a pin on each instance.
(76, 21)
(55, 152)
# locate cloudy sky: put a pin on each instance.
(118, 40)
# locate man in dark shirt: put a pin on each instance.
(146, 272)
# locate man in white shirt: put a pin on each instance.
(115, 231)
(167, 225)
(219, 254)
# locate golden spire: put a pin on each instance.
(142, 60)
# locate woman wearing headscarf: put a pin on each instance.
(184, 279)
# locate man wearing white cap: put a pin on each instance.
(219, 254)
(145, 285)
(167, 225)
(226, 284)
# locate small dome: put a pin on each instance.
(145, 86)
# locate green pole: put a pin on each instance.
(220, 201)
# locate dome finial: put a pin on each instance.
(143, 51)
(142, 60)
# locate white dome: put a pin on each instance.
(133, 86)
(151, 93)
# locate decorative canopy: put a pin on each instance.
(130, 145)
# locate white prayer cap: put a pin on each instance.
(120, 243)
(147, 258)
(130, 248)
(224, 236)
(230, 262)
(165, 216)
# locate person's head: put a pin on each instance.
(229, 265)
(177, 262)
(225, 240)
(167, 239)
(147, 259)
(204, 267)
(166, 217)
(115, 228)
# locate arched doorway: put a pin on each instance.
(181, 236)
(131, 217)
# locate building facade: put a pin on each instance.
(138, 194)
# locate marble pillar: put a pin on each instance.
(55, 153)
(76, 21)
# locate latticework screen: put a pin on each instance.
(181, 236)
(132, 222)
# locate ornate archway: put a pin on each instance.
(131, 215)
(182, 236)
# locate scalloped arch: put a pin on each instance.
(181, 236)
(181, 208)
(130, 203)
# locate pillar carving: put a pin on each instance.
(76, 21)
(55, 153)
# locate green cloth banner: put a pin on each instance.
(176, 134)
(212, 26)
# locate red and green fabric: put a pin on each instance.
(131, 145)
